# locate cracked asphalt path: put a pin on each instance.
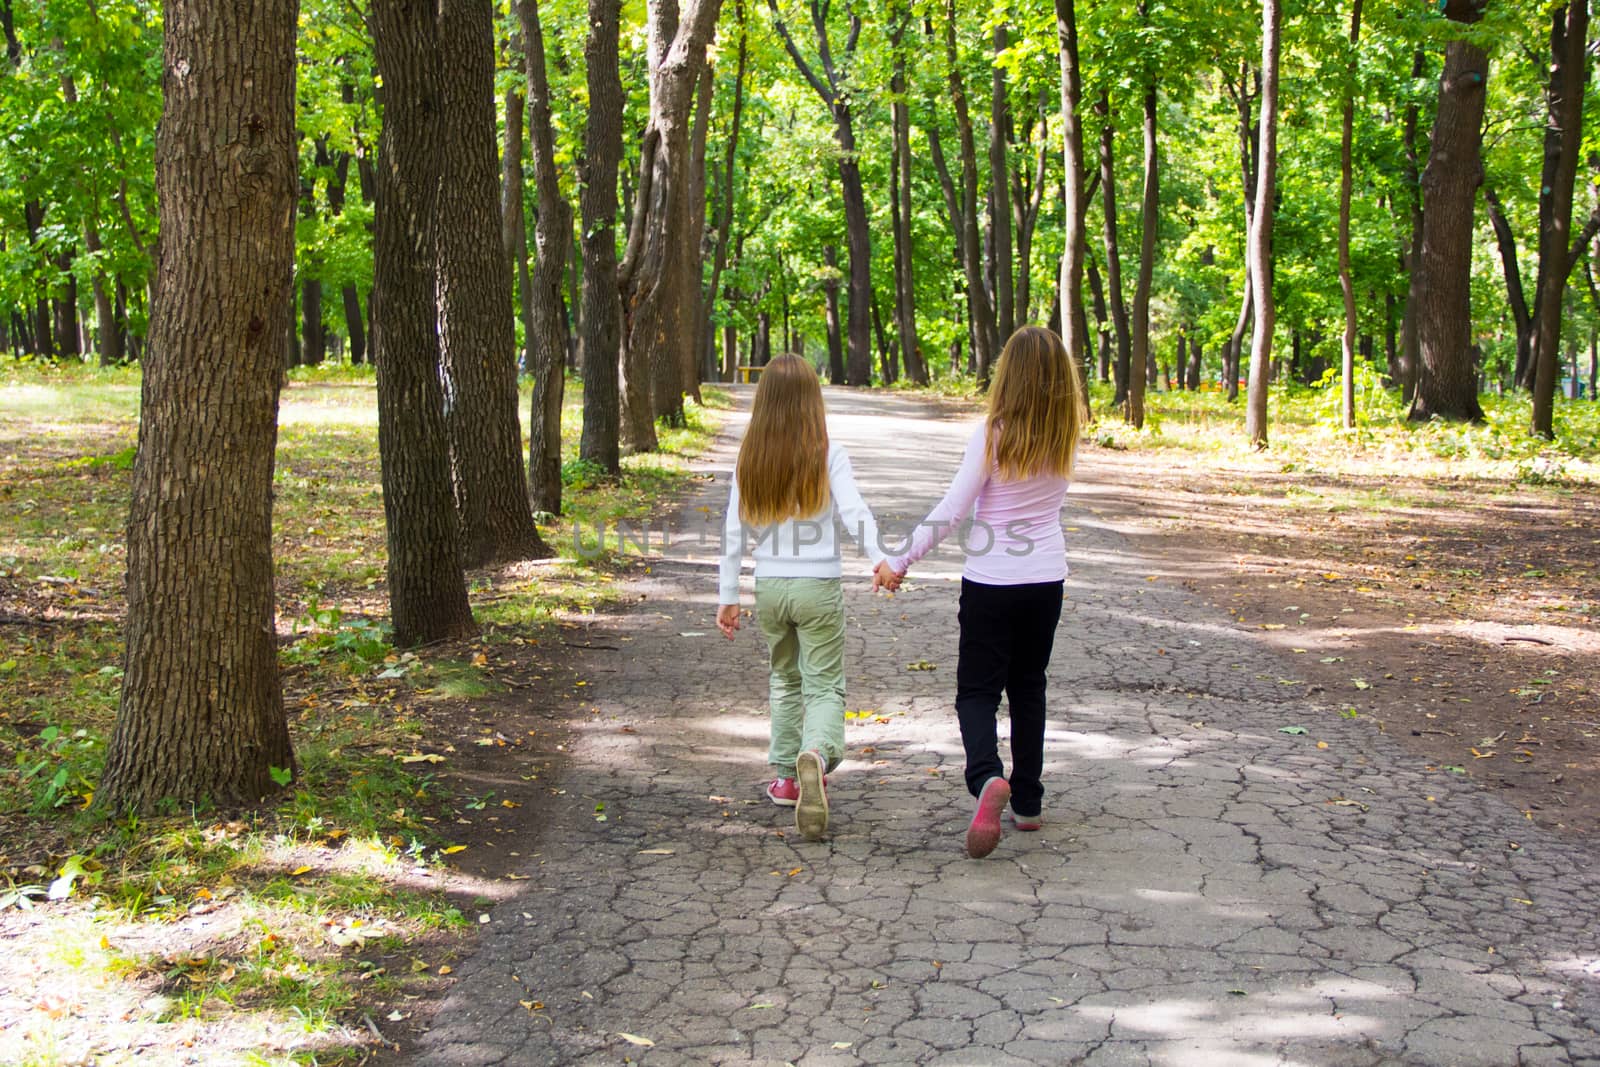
(1207, 889)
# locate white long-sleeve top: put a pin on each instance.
(1016, 537)
(799, 548)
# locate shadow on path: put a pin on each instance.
(1207, 889)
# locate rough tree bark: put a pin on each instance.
(427, 589)
(202, 713)
(477, 337)
(1447, 382)
(547, 343)
(601, 318)
(652, 290)
(1261, 228)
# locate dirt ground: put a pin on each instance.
(1459, 617)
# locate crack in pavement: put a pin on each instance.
(1206, 888)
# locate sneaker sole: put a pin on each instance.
(780, 803)
(984, 833)
(1027, 826)
(811, 813)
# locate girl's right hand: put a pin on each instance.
(886, 577)
(728, 620)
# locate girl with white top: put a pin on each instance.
(1012, 481)
(789, 486)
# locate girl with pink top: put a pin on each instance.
(1012, 481)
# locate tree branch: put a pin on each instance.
(794, 54)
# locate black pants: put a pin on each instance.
(1007, 632)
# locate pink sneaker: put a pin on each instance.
(811, 811)
(783, 792)
(1027, 823)
(984, 832)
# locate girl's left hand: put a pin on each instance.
(728, 619)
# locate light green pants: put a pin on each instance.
(803, 620)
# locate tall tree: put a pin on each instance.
(1447, 381)
(477, 337)
(547, 344)
(980, 311)
(202, 710)
(1347, 396)
(905, 290)
(1558, 251)
(1244, 98)
(1150, 228)
(427, 589)
(725, 220)
(653, 290)
(1075, 241)
(1000, 225)
(601, 318)
(833, 86)
(1261, 230)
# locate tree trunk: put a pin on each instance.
(427, 590)
(1516, 293)
(1261, 267)
(547, 344)
(724, 231)
(601, 318)
(1410, 354)
(1000, 191)
(858, 236)
(202, 715)
(1102, 318)
(1563, 140)
(1347, 397)
(691, 250)
(1073, 318)
(830, 303)
(1447, 383)
(1119, 309)
(513, 216)
(65, 308)
(1243, 99)
(477, 336)
(652, 288)
(1150, 228)
(981, 316)
(900, 203)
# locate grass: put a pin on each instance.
(1305, 435)
(348, 861)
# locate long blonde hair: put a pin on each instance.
(1035, 407)
(783, 463)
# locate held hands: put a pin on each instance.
(728, 619)
(887, 578)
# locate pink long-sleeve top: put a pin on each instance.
(1015, 537)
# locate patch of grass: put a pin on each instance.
(1305, 431)
(345, 859)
